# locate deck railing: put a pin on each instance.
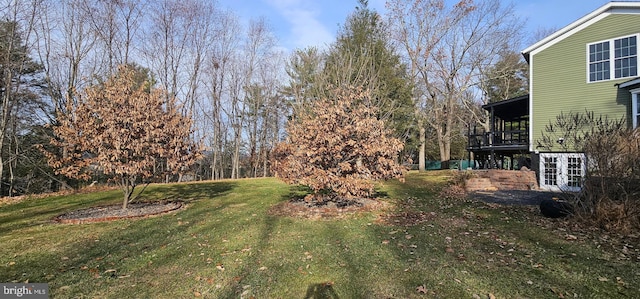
(482, 139)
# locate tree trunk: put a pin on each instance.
(214, 161)
(127, 186)
(422, 154)
(1, 171)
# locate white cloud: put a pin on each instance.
(306, 29)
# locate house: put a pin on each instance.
(589, 65)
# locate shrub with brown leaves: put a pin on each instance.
(123, 129)
(338, 148)
(610, 189)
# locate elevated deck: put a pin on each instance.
(504, 138)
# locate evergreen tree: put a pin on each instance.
(507, 78)
(363, 56)
(304, 69)
(23, 109)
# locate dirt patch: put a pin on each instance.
(407, 218)
(299, 208)
(115, 212)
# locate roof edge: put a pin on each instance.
(507, 101)
(609, 6)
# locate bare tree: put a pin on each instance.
(217, 73)
(116, 25)
(259, 51)
(446, 47)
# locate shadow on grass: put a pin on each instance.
(41, 211)
(129, 247)
(188, 191)
(466, 248)
(321, 291)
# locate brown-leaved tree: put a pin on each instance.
(124, 129)
(338, 147)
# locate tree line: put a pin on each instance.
(426, 65)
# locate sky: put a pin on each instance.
(303, 23)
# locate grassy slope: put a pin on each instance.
(224, 245)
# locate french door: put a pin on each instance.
(562, 171)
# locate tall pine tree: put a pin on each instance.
(363, 56)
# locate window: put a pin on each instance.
(599, 62)
(574, 172)
(550, 171)
(623, 64)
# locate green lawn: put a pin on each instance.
(225, 245)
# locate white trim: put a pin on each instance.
(629, 83)
(531, 105)
(556, 39)
(634, 107)
(597, 15)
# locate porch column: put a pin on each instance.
(491, 135)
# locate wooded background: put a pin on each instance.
(428, 66)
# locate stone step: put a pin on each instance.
(497, 179)
(479, 184)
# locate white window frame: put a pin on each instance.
(635, 114)
(612, 58)
(562, 171)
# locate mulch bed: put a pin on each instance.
(299, 208)
(115, 212)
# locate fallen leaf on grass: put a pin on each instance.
(558, 293)
(491, 296)
(12, 263)
(421, 289)
(197, 294)
(220, 267)
(385, 242)
(603, 279)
